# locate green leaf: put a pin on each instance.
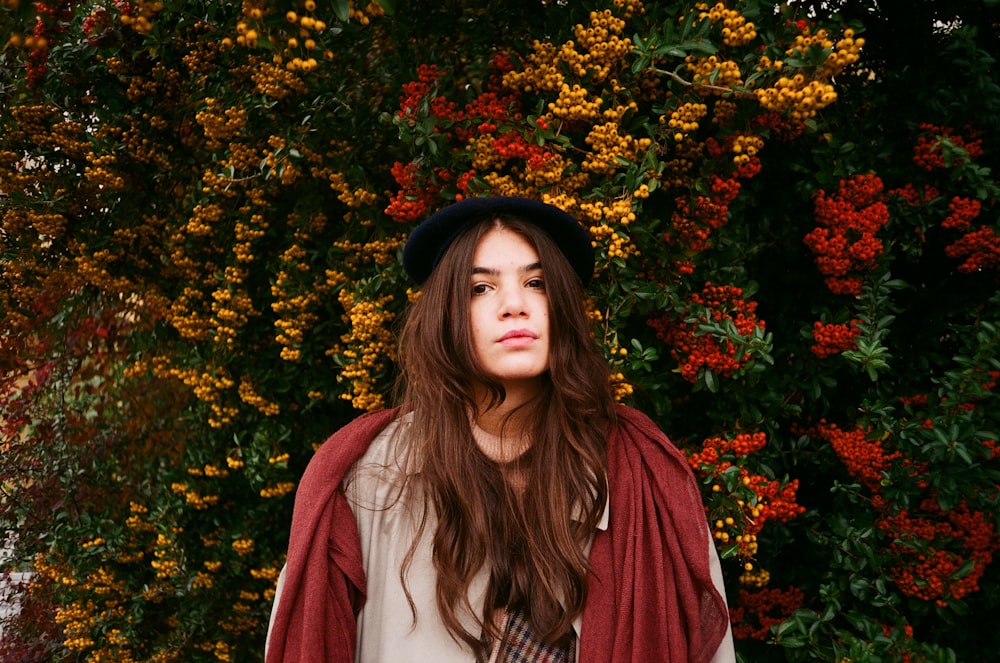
(342, 10)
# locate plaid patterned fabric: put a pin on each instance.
(520, 645)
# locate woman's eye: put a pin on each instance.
(479, 288)
(537, 284)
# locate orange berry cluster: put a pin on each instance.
(845, 243)
(832, 339)
(931, 545)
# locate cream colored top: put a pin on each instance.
(387, 632)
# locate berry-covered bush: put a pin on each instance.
(796, 227)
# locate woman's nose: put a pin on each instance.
(513, 303)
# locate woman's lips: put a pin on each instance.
(518, 338)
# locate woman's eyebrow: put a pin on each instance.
(493, 271)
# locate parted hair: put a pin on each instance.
(532, 540)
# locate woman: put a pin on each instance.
(508, 510)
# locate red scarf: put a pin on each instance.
(651, 592)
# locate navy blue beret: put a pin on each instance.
(429, 241)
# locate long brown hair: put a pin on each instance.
(533, 541)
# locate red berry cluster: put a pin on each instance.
(780, 127)
(695, 350)
(993, 447)
(51, 19)
(715, 448)
(415, 91)
(480, 117)
(864, 458)
(756, 611)
(931, 545)
(927, 153)
(917, 400)
(832, 338)
(416, 195)
(695, 219)
(913, 196)
(777, 501)
(720, 456)
(979, 248)
(845, 244)
(515, 146)
(963, 212)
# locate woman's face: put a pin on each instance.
(509, 310)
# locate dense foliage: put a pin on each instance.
(795, 214)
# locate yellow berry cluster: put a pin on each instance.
(620, 386)
(714, 71)
(755, 578)
(220, 123)
(207, 386)
(269, 573)
(379, 252)
(183, 315)
(243, 547)
(630, 7)
(601, 49)
(100, 174)
(276, 82)
(505, 185)
(245, 235)
(136, 521)
(309, 28)
(368, 348)
(248, 394)
(202, 580)
(618, 244)
(352, 197)
(484, 154)
(608, 146)
(296, 312)
(540, 73)
(365, 14)
(736, 30)
(723, 111)
(847, 51)
(165, 564)
(230, 312)
(801, 97)
(277, 490)
(575, 102)
(745, 146)
(142, 22)
(553, 173)
(685, 119)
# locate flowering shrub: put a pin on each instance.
(797, 268)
